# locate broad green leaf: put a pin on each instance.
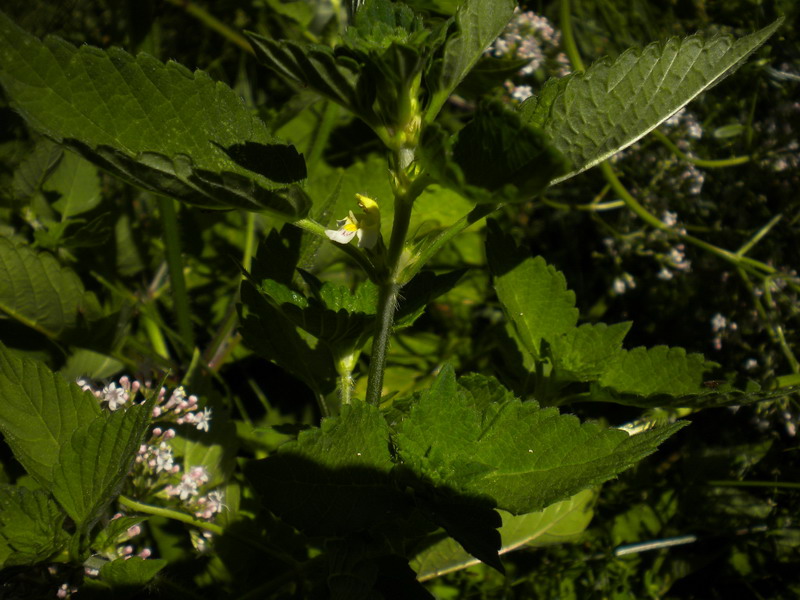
(30, 526)
(584, 353)
(39, 411)
(333, 479)
(558, 523)
(91, 365)
(656, 371)
(478, 23)
(37, 291)
(592, 115)
(523, 457)
(156, 125)
(268, 332)
(94, 462)
(495, 157)
(131, 572)
(533, 293)
(34, 168)
(78, 183)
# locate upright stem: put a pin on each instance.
(172, 247)
(387, 297)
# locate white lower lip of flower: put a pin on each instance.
(343, 236)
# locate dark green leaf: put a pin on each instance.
(158, 126)
(478, 23)
(39, 411)
(592, 115)
(533, 293)
(335, 479)
(37, 291)
(94, 462)
(30, 526)
(131, 572)
(584, 353)
(523, 457)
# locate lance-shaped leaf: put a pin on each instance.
(94, 462)
(478, 23)
(39, 411)
(37, 291)
(558, 523)
(156, 125)
(590, 116)
(30, 526)
(523, 457)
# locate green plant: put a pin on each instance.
(389, 488)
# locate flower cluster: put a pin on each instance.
(177, 408)
(530, 37)
(721, 327)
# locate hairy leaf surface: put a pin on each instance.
(590, 116)
(94, 462)
(523, 457)
(30, 526)
(39, 411)
(156, 125)
(37, 291)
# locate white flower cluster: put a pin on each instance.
(530, 37)
(177, 408)
(721, 327)
(188, 491)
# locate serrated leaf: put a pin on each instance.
(131, 572)
(115, 533)
(156, 125)
(30, 526)
(523, 457)
(39, 411)
(337, 78)
(656, 371)
(478, 23)
(495, 157)
(558, 523)
(77, 182)
(346, 462)
(269, 333)
(614, 103)
(33, 169)
(584, 353)
(37, 291)
(93, 463)
(533, 293)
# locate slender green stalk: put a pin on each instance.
(172, 248)
(175, 515)
(210, 21)
(700, 162)
(567, 37)
(764, 484)
(748, 245)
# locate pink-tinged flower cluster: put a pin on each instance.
(178, 407)
(530, 37)
(115, 395)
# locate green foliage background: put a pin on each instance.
(730, 480)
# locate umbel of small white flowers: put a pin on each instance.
(366, 227)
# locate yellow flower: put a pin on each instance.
(366, 227)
